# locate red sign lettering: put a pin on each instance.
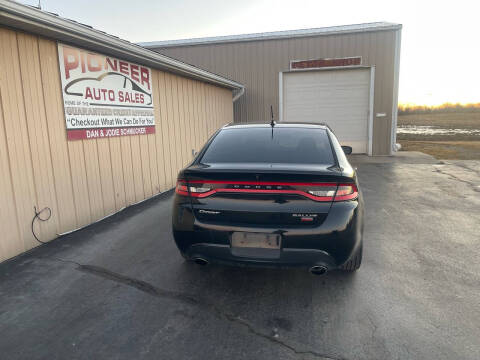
(320, 63)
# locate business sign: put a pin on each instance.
(322, 63)
(104, 96)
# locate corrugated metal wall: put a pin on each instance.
(256, 64)
(83, 181)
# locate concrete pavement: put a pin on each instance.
(120, 290)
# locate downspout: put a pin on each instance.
(239, 94)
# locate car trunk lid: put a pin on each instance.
(259, 195)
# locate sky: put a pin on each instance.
(440, 54)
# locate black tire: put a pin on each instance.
(355, 261)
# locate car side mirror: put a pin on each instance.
(347, 149)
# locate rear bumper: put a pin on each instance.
(287, 257)
(330, 244)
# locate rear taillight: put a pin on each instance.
(324, 193)
(346, 192)
(181, 188)
(193, 190)
(315, 191)
(199, 189)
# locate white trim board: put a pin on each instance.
(396, 74)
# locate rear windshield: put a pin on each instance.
(262, 145)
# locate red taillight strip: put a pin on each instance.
(181, 192)
(351, 196)
(181, 189)
(258, 183)
(263, 191)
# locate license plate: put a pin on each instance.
(256, 240)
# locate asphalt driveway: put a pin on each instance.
(120, 290)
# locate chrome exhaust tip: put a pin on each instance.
(200, 261)
(318, 270)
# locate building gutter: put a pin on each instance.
(36, 21)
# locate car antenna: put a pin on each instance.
(272, 122)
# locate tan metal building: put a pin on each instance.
(84, 180)
(346, 76)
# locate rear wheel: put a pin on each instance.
(355, 261)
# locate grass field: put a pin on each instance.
(442, 135)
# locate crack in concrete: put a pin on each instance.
(192, 300)
(375, 327)
(464, 166)
(475, 187)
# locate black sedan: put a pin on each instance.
(270, 195)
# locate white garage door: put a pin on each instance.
(339, 98)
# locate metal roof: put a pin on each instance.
(36, 21)
(344, 29)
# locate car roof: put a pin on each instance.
(277, 125)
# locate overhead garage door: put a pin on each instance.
(339, 98)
